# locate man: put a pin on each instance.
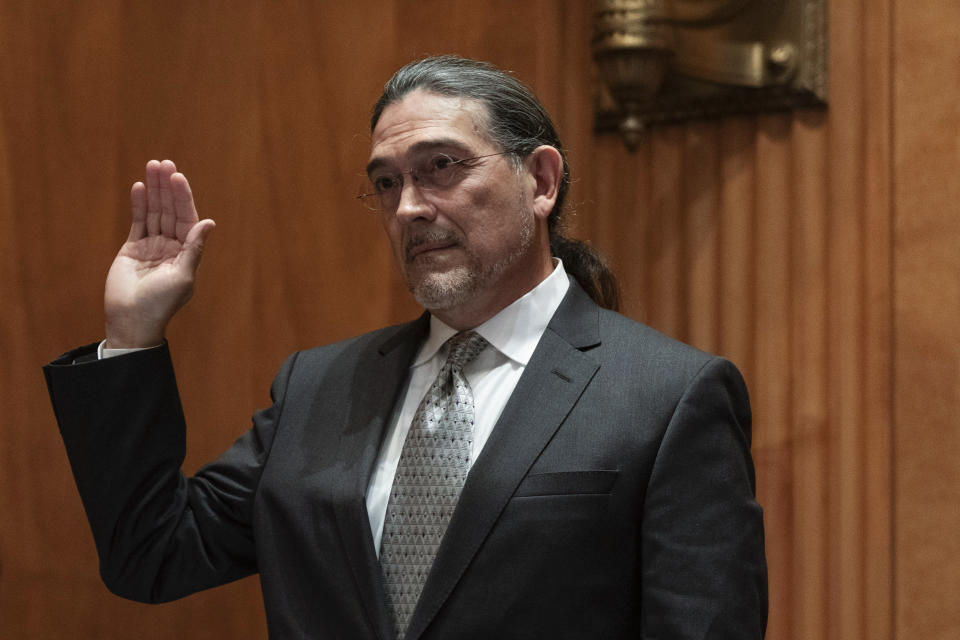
(517, 463)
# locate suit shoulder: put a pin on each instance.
(629, 347)
(643, 339)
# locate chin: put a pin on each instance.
(447, 290)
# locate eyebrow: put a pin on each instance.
(420, 147)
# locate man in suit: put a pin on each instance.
(601, 488)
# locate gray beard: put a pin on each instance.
(451, 289)
(440, 291)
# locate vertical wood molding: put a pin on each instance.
(737, 237)
(665, 283)
(810, 415)
(844, 306)
(702, 237)
(878, 288)
(773, 364)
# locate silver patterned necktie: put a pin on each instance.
(430, 474)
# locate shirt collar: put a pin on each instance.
(515, 330)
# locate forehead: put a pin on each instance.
(422, 119)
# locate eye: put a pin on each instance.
(441, 161)
(382, 184)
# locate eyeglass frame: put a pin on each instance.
(413, 172)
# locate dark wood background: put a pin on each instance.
(819, 251)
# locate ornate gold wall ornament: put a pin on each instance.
(663, 61)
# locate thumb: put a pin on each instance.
(194, 243)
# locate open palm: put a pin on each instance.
(154, 271)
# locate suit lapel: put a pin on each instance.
(375, 397)
(559, 370)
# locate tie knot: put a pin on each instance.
(464, 347)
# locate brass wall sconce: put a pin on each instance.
(664, 61)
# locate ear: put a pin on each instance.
(545, 167)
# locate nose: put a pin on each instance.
(413, 205)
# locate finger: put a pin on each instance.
(168, 216)
(138, 205)
(183, 204)
(153, 198)
(194, 244)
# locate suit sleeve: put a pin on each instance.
(159, 535)
(703, 562)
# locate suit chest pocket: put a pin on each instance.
(567, 483)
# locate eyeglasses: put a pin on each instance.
(435, 172)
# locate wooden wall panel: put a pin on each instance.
(878, 365)
(926, 250)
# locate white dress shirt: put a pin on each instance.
(513, 335)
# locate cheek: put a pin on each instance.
(487, 213)
(394, 236)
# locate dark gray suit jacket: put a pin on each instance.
(614, 498)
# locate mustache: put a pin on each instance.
(426, 238)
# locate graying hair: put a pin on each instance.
(516, 121)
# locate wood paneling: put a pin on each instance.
(818, 251)
(926, 245)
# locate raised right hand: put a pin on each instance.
(153, 274)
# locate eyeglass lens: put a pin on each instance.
(433, 172)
